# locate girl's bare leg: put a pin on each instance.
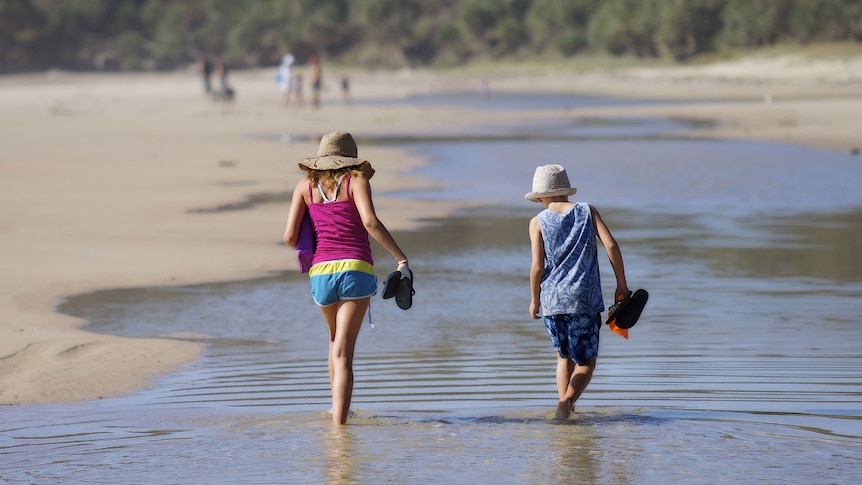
(329, 316)
(344, 320)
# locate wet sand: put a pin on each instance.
(115, 181)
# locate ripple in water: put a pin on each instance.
(744, 367)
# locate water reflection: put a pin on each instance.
(575, 449)
(818, 245)
(341, 456)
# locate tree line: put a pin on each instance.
(166, 34)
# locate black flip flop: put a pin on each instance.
(390, 284)
(404, 292)
(626, 312)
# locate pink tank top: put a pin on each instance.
(339, 230)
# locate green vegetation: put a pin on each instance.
(165, 34)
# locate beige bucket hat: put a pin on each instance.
(337, 150)
(550, 181)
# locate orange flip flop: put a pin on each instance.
(625, 313)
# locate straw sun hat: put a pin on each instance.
(550, 181)
(337, 150)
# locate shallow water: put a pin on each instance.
(744, 367)
(516, 101)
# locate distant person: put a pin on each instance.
(485, 89)
(205, 70)
(225, 92)
(336, 193)
(345, 89)
(316, 80)
(565, 289)
(284, 79)
(298, 92)
(221, 72)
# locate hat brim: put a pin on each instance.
(535, 196)
(335, 162)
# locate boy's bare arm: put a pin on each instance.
(615, 255)
(537, 266)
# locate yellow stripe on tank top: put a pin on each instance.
(333, 267)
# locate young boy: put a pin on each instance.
(564, 279)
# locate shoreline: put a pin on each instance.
(102, 175)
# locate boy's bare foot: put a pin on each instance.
(564, 409)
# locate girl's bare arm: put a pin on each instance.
(360, 191)
(294, 216)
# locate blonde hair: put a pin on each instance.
(329, 178)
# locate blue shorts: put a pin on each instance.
(575, 337)
(346, 279)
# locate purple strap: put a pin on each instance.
(305, 246)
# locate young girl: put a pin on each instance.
(564, 279)
(337, 194)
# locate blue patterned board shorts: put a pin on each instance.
(346, 279)
(575, 337)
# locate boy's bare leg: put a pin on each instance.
(565, 368)
(580, 378)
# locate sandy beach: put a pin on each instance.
(130, 180)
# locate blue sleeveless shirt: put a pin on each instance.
(571, 283)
